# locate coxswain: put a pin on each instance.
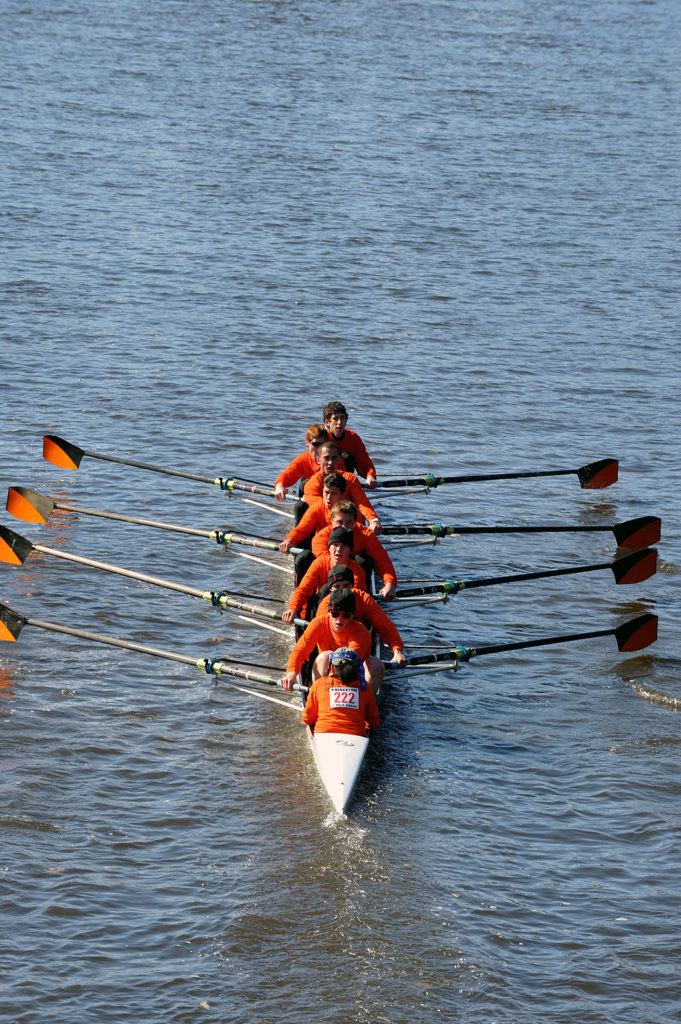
(371, 615)
(338, 628)
(339, 553)
(368, 551)
(350, 444)
(341, 701)
(304, 465)
(329, 460)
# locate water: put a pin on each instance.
(460, 221)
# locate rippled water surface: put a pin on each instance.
(461, 221)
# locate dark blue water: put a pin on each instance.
(461, 221)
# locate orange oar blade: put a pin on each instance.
(28, 505)
(635, 568)
(598, 474)
(61, 453)
(637, 633)
(638, 533)
(11, 623)
(13, 548)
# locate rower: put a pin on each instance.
(370, 614)
(341, 701)
(338, 628)
(317, 517)
(329, 460)
(339, 553)
(350, 444)
(304, 465)
(368, 551)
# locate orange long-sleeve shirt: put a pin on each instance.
(333, 706)
(320, 633)
(316, 517)
(353, 444)
(316, 576)
(301, 468)
(371, 615)
(365, 543)
(354, 492)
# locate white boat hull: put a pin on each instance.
(339, 758)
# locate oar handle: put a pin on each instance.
(232, 484)
(226, 537)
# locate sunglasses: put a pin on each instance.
(340, 615)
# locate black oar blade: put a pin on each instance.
(598, 474)
(61, 453)
(638, 533)
(636, 567)
(637, 633)
(13, 548)
(11, 623)
(29, 506)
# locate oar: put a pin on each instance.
(67, 455)
(12, 622)
(15, 549)
(634, 533)
(594, 475)
(633, 635)
(31, 507)
(633, 568)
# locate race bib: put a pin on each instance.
(343, 697)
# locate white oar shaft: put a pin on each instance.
(107, 567)
(135, 520)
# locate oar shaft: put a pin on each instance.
(467, 653)
(594, 475)
(521, 577)
(119, 517)
(567, 638)
(439, 530)
(432, 480)
(107, 567)
(153, 469)
(113, 641)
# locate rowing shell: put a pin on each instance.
(339, 757)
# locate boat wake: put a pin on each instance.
(665, 700)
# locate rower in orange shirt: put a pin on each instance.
(304, 465)
(349, 444)
(341, 701)
(318, 515)
(327, 633)
(368, 551)
(339, 553)
(369, 613)
(329, 459)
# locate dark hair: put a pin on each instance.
(334, 409)
(336, 480)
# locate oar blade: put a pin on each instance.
(637, 633)
(61, 453)
(13, 549)
(638, 533)
(598, 474)
(29, 506)
(636, 567)
(11, 623)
